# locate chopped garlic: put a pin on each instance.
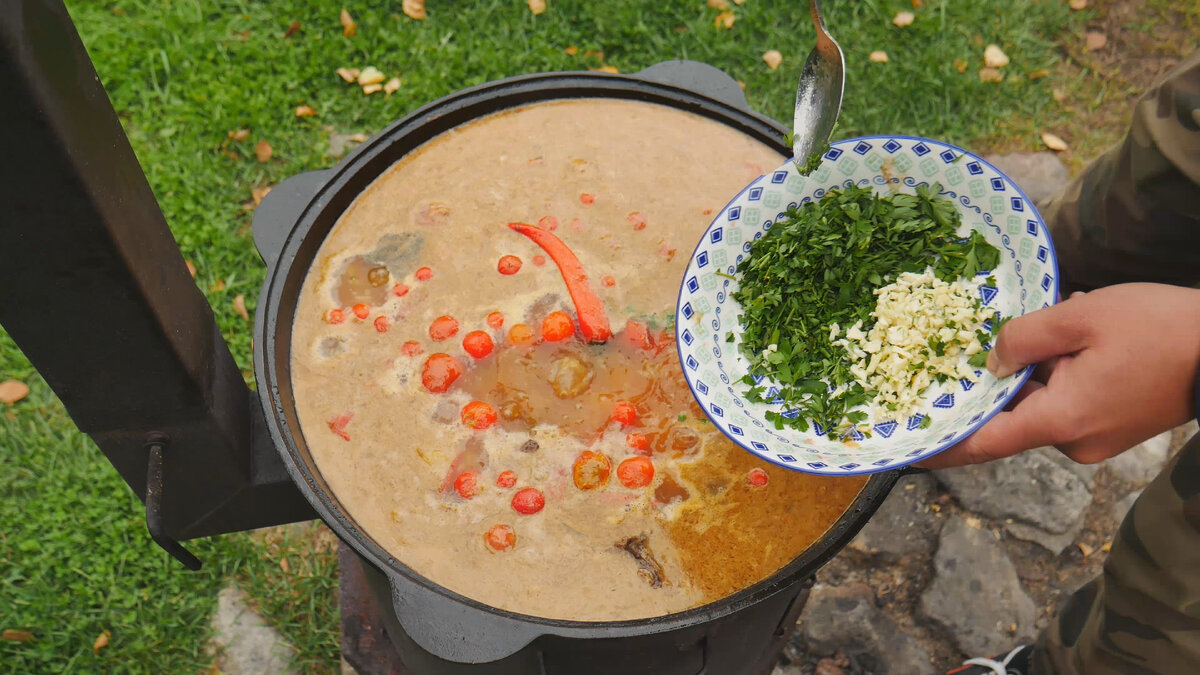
(909, 313)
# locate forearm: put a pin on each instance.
(1134, 213)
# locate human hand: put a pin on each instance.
(1116, 367)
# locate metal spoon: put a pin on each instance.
(818, 96)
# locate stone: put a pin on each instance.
(828, 666)
(975, 595)
(1121, 507)
(904, 525)
(247, 644)
(1032, 487)
(1041, 175)
(845, 619)
(1055, 542)
(1141, 463)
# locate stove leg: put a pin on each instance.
(784, 630)
(365, 644)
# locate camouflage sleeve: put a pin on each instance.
(1134, 213)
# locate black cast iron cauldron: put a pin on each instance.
(95, 292)
(436, 630)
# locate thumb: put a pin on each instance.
(1057, 330)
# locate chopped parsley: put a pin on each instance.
(819, 265)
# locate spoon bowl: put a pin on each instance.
(818, 96)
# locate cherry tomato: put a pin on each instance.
(424, 274)
(640, 443)
(443, 328)
(520, 334)
(591, 470)
(625, 414)
(587, 198)
(557, 326)
(539, 260)
(757, 477)
(637, 220)
(478, 415)
(528, 501)
(411, 348)
(335, 316)
(400, 290)
(381, 324)
(467, 484)
(548, 223)
(338, 425)
(500, 538)
(478, 344)
(636, 335)
(509, 264)
(361, 311)
(635, 472)
(506, 479)
(495, 319)
(440, 371)
(608, 281)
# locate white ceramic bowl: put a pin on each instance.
(990, 202)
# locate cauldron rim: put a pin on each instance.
(302, 230)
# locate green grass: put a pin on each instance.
(74, 556)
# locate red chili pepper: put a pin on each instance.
(400, 290)
(637, 220)
(548, 223)
(608, 282)
(500, 538)
(424, 274)
(495, 319)
(506, 479)
(593, 323)
(381, 324)
(361, 311)
(509, 264)
(335, 316)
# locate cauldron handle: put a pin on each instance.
(700, 78)
(280, 210)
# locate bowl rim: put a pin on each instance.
(1021, 377)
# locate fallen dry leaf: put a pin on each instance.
(370, 75)
(391, 86)
(990, 75)
(1106, 547)
(217, 286)
(571, 50)
(917, 4)
(1039, 74)
(738, 2)
(348, 74)
(1078, 4)
(974, 522)
(903, 19)
(191, 268)
(994, 57)
(259, 192)
(291, 30)
(349, 28)
(960, 65)
(263, 152)
(239, 306)
(1085, 549)
(977, 40)
(537, 6)
(1053, 142)
(724, 20)
(414, 9)
(239, 135)
(594, 54)
(772, 58)
(718, 4)
(369, 89)
(12, 391)
(878, 57)
(1058, 95)
(357, 138)
(1095, 40)
(305, 111)
(101, 641)
(283, 565)
(606, 69)
(17, 635)
(742, 85)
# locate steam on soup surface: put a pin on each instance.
(450, 396)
